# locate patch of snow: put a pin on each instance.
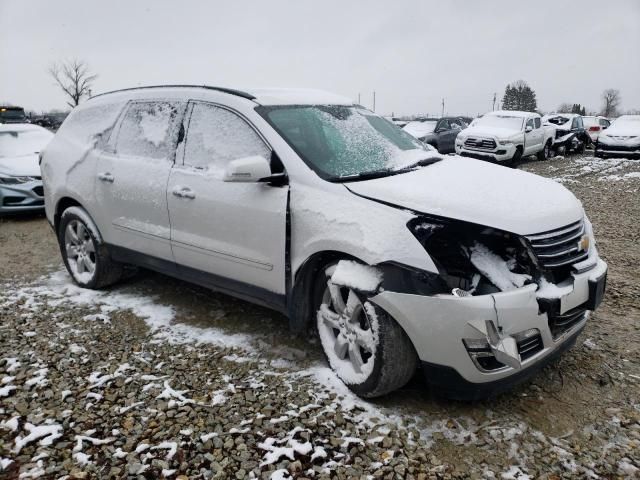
(11, 424)
(172, 448)
(547, 289)
(47, 434)
(357, 276)
(5, 391)
(496, 269)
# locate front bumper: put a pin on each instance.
(501, 153)
(620, 150)
(22, 197)
(438, 324)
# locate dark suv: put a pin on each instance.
(440, 133)
(10, 114)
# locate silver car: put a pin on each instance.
(20, 182)
(304, 202)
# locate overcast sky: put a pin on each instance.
(412, 53)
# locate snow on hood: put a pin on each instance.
(478, 192)
(24, 165)
(626, 128)
(420, 129)
(489, 131)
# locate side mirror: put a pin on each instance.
(248, 169)
(528, 128)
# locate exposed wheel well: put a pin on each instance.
(300, 305)
(63, 204)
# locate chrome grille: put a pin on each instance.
(559, 247)
(480, 143)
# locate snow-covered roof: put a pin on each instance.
(296, 96)
(20, 127)
(262, 96)
(512, 113)
(565, 115)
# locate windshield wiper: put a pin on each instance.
(420, 163)
(386, 172)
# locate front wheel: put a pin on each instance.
(366, 348)
(85, 255)
(545, 153)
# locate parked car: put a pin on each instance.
(440, 133)
(622, 138)
(11, 114)
(571, 136)
(505, 136)
(20, 182)
(306, 203)
(595, 125)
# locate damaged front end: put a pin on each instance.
(503, 302)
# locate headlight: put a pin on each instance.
(13, 180)
(505, 142)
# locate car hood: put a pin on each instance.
(24, 165)
(623, 130)
(478, 192)
(487, 131)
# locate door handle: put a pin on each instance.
(184, 192)
(106, 177)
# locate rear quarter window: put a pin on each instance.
(93, 123)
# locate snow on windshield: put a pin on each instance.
(341, 141)
(502, 121)
(23, 142)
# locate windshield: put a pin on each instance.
(501, 121)
(342, 141)
(19, 143)
(559, 120)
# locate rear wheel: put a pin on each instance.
(366, 348)
(85, 255)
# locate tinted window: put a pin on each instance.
(537, 122)
(216, 136)
(148, 129)
(443, 125)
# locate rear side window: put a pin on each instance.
(148, 129)
(537, 122)
(216, 136)
(90, 124)
(604, 123)
(529, 123)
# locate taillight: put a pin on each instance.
(594, 129)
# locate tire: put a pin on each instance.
(84, 253)
(545, 153)
(388, 362)
(513, 160)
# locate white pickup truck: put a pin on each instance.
(505, 136)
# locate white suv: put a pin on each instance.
(311, 205)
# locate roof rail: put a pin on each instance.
(230, 91)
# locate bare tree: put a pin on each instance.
(74, 78)
(565, 108)
(611, 99)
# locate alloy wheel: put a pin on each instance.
(81, 251)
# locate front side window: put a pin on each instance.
(529, 123)
(216, 136)
(148, 129)
(339, 141)
(444, 125)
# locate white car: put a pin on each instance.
(505, 136)
(20, 183)
(622, 138)
(318, 208)
(595, 125)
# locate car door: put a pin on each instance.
(233, 233)
(444, 135)
(531, 137)
(131, 184)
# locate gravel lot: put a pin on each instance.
(157, 378)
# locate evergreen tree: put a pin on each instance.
(519, 96)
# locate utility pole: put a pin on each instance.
(374, 100)
(442, 108)
(358, 98)
(494, 102)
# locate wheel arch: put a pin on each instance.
(61, 206)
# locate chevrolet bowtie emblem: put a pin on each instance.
(583, 244)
